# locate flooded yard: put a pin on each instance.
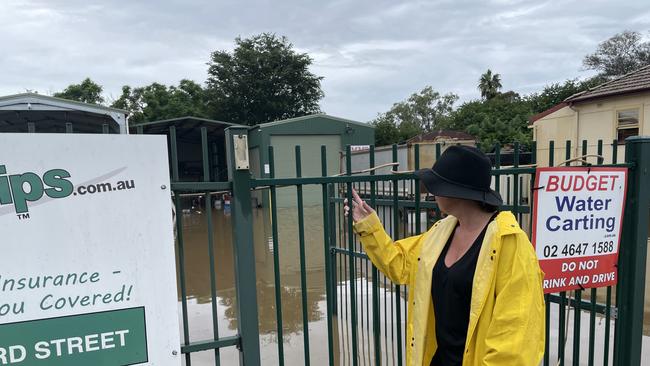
(199, 291)
(198, 283)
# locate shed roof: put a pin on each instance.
(48, 114)
(187, 122)
(46, 100)
(311, 116)
(186, 126)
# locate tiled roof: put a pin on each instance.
(634, 82)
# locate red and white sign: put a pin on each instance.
(577, 222)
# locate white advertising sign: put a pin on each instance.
(88, 266)
(577, 223)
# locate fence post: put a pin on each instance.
(331, 245)
(632, 255)
(242, 230)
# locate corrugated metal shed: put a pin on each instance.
(310, 133)
(188, 143)
(30, 112)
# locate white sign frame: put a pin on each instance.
(577, 225)
(120, 234)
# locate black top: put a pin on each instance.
(451, 291)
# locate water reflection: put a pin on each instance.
(198, 283)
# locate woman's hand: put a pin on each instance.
(360, 209)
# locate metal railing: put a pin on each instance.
(365, 312)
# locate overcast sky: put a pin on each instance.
(371, 53)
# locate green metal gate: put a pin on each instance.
(365, 313)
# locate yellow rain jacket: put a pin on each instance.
(506, 323)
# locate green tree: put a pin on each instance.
(389, 129)
(556, 93)
(386, 132)
(501, 119)
(619, 55)
(489, 85)
(87, 92)
(421, 112)
(157, 101)
(263, 79)
(425, 109)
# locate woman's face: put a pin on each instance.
(456, 206)
(445, 203)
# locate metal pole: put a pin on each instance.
(632, 254)
(328, 265)
(303, 259)
(208, 218)
(353, 271)
(276, 259)
(376, 316)
(242, 230)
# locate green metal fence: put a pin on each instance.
(364, 312)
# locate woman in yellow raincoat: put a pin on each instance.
(475, 287)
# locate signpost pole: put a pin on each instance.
(242, 219)
(632, 255)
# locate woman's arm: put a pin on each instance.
(516, 333)
(391, 258)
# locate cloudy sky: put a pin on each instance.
(371, 53)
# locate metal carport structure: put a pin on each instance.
(30, 112)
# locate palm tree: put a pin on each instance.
(489, 84)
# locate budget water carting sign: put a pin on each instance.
(577, 222)
(87, 275)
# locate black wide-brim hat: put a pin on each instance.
(461, 172)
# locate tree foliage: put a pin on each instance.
(502, 119)
(263, 79)
(386, 132)
(619, 55)
(87, 92)
(556, 93)
(421, 112)
(489, 85)
(157, 101)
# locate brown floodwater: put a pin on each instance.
(199, 295)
